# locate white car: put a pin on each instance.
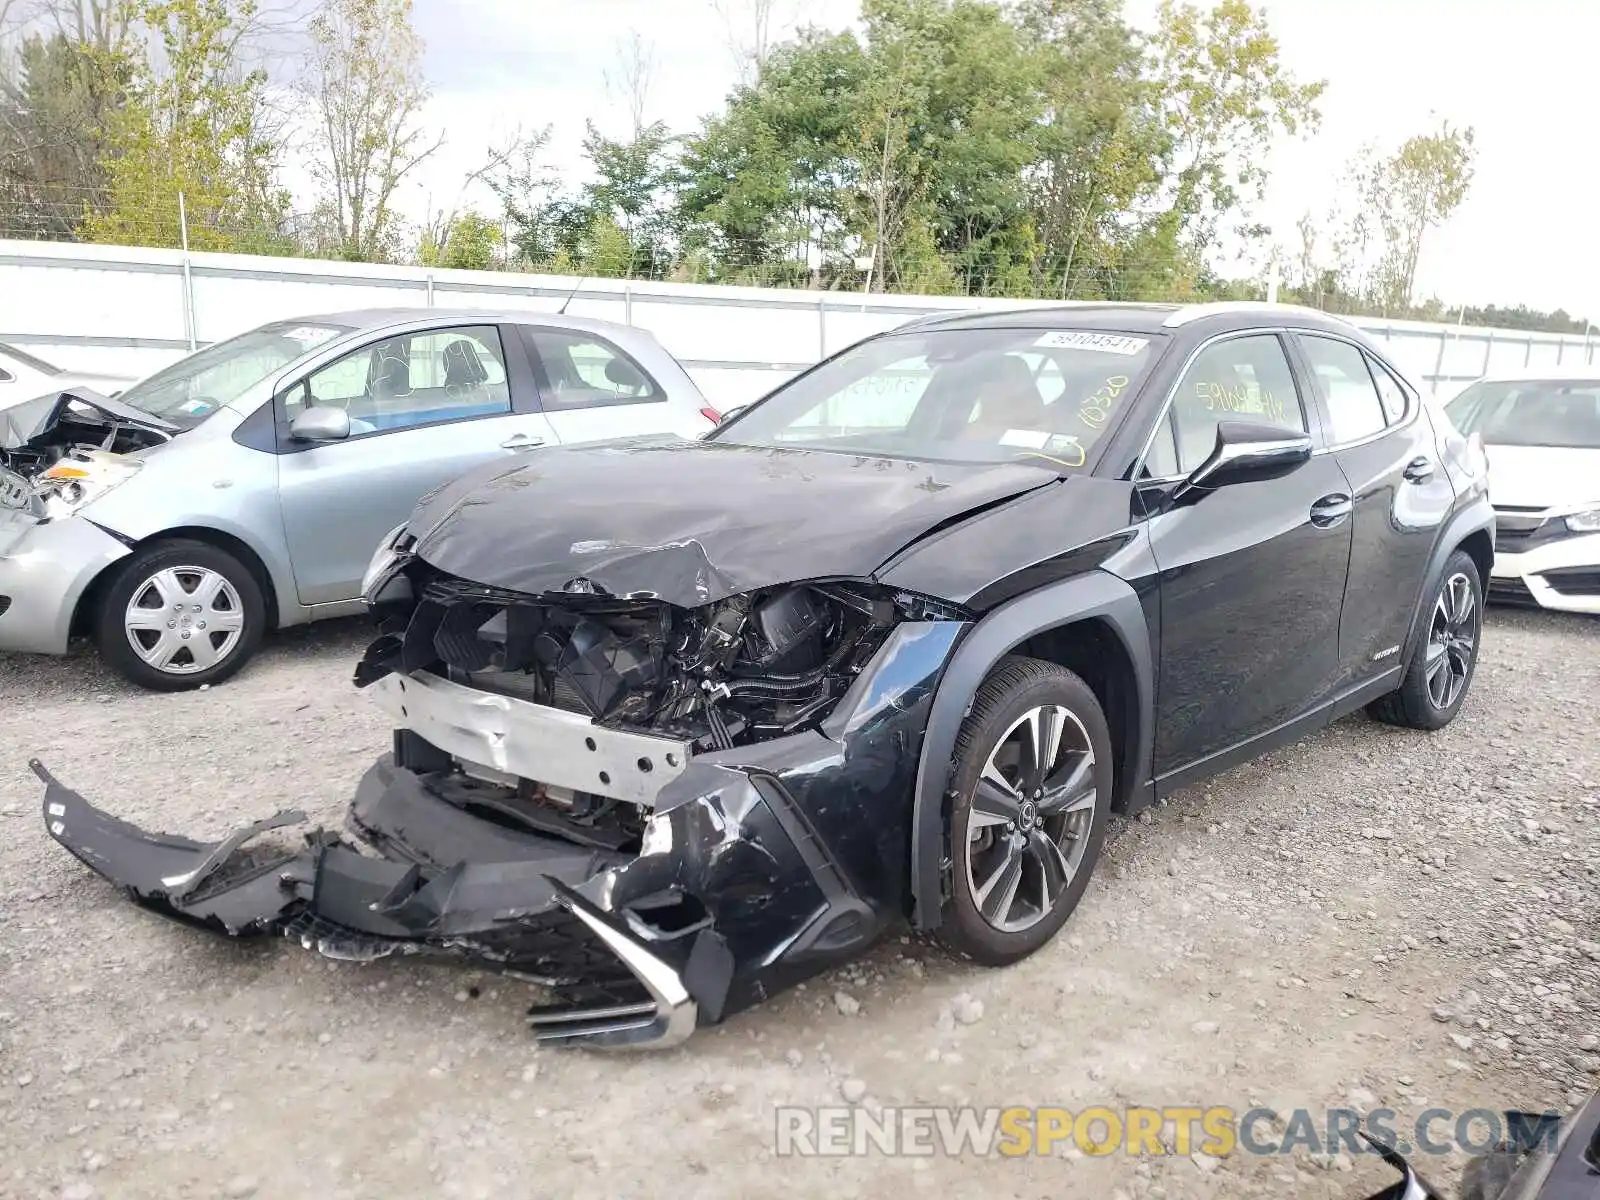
(24, 376)
(1541, 431)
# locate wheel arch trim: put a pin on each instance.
(1475, 519)
(228, 541)
(1095, 595)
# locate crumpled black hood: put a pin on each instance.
(693, 522)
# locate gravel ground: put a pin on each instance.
(1371, 917)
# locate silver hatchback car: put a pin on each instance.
(247, 486)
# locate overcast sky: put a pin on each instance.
(1521, 73)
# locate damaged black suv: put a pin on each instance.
(679, 723)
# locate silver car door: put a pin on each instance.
(424, 407)
(591, 389)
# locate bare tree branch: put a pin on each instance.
(750, 27)
(629, 80)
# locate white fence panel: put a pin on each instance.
(130, 310)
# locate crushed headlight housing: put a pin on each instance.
(392, 552)
(81, 478)
(1587, 521)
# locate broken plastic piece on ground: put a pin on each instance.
(507, 902)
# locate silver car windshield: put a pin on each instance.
(1531, 412)
(193, 388)
(1039, 396)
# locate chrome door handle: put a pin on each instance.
(521, 441)
(1419, 469)
(1330, 510)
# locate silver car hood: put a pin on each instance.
(32, 419)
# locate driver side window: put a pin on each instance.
(414, 379)
(1238, 379)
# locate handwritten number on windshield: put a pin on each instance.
(1094, 411)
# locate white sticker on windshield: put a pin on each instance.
(310, 334)
(1106, 343)
(1033, 439)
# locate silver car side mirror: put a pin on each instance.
(321, 424)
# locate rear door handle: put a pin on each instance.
(1419, 469)
(521, 441)
(1331, 509)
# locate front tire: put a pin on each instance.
(1029, 798)
(1440, 672)
(180, 614)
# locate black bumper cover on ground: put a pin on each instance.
(759, 867)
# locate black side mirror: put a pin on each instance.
(1247, 452)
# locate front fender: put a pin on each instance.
(1096, 595)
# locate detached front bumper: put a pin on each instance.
(45, 567)
(515, 907)
(744, 872)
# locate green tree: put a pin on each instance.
(631, 191)
(1100, 144)
(762, 183)
(1224, 95)
(194, 128)
(54, 110)
(471, 242)
(366, 86)
(1411, 192)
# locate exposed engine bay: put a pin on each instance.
(743, 670)
(746, 668)
(39, 434)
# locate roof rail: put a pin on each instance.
(1194, 312)
(939, 314)
(1060, 306)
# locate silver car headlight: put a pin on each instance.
(391, 552)
(81, 479)
(1587, 521)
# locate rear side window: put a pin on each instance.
(585, 371)
(1355, 410)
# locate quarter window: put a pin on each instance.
(1238, 379)
(414, 379)
(1390, 392)
(581, 371)
(1354, 408)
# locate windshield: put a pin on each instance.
(193, 388)
(958, 395)
(1531, 413)
(28, 360)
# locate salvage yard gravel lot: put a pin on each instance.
(1372, 917)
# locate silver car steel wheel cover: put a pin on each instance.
(1028, 826)
(184, 620)
(1452, 641)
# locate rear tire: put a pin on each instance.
(180, 614)
(1029, 794)
(1440, 673)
